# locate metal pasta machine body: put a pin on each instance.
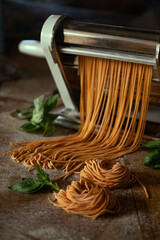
(63, 40)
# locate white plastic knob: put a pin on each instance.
(31, 47)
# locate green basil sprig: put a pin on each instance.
(28, 185)
(151, 145)
(39, 116)
(153, 157)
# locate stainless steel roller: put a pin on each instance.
(113, 42)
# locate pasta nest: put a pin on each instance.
(108, 173)
(87, 199)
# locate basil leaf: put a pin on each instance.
(152, 159)
(38, 115)
(41, 175)
(50, 103)
(52, 116)
(29, 127)
(48, 129)
(29, 116)
(150, 145)
(38, 112)
(27, 186)
(26, 111)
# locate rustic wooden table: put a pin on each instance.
(31, 216)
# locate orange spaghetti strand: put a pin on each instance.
(113, 93)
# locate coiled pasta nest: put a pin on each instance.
(87, 199)
(110, 174)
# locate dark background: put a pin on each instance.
(23, 19)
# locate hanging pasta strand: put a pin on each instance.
(112, 94)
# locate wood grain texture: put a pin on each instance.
(31, 216)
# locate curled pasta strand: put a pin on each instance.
(87, 199)
(110, 174)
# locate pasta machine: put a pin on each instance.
(63, 39)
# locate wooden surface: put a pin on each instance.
(31, 216)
